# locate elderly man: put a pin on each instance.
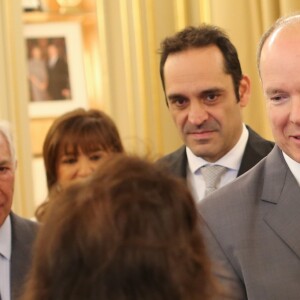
(253, 224)
(16, 234)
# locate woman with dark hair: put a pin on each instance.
(128, 232)
(73, 147)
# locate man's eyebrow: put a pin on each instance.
(272, 91)
(211, 91)
(176, 96)
(5, 162)
(214, 89)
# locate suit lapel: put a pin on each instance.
(282, 189)
(177, 162)
(20, 255)
(256, 149)
(17, 261)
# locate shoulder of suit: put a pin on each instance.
(239, 191)
(23, 224)
(258, 143)
(258, 138)
(173, 155)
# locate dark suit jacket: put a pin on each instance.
(23, 236)
(252, 230)
(256, 149)
(58, 79)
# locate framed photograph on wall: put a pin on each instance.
(31, 5)
(55, 67)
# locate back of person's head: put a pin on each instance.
(199, 37)
(130, 231)
(88, 130)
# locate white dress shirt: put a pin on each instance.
(52, 61)
(231, 160)
(293, 166)
(5, 254)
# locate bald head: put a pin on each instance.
(283, 24)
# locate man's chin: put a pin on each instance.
(200, 147)
(201, 152)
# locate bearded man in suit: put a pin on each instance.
(16, 234)
(252, 225)
(206, 91)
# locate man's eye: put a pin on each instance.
(178, 102)
(211, 97)
(278, 98)
(3, 169)
(181, 101)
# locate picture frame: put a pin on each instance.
(55, 68)
(31, 5)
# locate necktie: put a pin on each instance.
(212, 176)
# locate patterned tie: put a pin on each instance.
(212, 176)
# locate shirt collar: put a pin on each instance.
(231, 160)
(5, 238)
(293, 166)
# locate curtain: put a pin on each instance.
(13, 100)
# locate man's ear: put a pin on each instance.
(244, 90)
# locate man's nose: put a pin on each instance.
(197, 113)
(295, 110)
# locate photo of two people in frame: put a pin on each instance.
(48, 70)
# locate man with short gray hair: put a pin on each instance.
(16, 234)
